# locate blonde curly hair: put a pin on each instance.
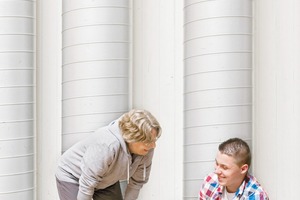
(136, 126)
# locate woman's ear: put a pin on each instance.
(244, 169)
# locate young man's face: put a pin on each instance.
(141, 148)
(229, 173)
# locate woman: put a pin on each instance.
(92, 168)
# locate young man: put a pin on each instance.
(231, 180)
(92, 168)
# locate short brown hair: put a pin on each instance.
(238, 149)
(136, 126)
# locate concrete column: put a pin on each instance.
(217, 82)
(95, 65)
(17, 103)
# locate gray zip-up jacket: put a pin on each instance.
(101, 160)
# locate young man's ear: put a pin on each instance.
(244, 169)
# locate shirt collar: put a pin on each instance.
(241, 189)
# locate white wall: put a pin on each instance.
(277, 96)
(157, 86)
(156, 82)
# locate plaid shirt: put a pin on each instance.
(250, 189)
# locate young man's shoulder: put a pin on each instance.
(253, 188)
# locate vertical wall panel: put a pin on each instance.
(277, 96)
(158, 87)
(217, 82)
(95, 65)
(48, 96)
(17, 18)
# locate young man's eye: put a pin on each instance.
(225, 168)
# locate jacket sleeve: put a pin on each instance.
(94, 165)
(139, 178)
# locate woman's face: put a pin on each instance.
(142, 148)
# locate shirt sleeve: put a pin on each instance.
(260, 196)
(207, 187)
(202, 192)
(94, 165)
